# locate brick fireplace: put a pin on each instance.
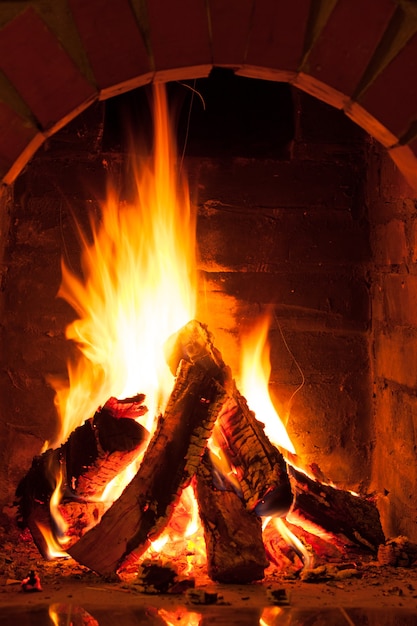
(307, 212)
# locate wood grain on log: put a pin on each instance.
(170, 461)
(260, 466)
(93, 455)
(337, 511)
(233, 535)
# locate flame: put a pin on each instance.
(138, 287)
(54, 550)
(255, 373)
(60, 523)
(293, 541)
(183, 535)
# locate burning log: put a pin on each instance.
(93, 455)
(170, 461)
(233, 535)
(336, 511)
(260, 466)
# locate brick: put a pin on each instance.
(42, 72)
(277, 34)
(244, 239)
(399, 299)
(395, 437)
(405, 158)
(309, 298)
(113, 43)
(390, 244)
(361, 116)
(320, 90)
(230, 22)
(274, 184)
(396, 355)
(179, 36)
(19, 141)
(392, 97)
(347, 42)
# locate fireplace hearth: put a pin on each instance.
(317, 227)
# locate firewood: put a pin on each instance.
(94, 454)
(337, 511)
(233, 535)
(260, 466)
(141, 513)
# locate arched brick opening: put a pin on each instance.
(60, 57)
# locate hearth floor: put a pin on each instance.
(383, 595)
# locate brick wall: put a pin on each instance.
(394, 284)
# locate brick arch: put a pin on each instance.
(357, 56)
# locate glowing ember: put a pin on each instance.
(256, 370)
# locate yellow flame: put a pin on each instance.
(60, 523)
(54, 550)
(183, 534)
(255, 373)
(138, 287)
(293, 541)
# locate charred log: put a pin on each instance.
(93, 455)
(170, 461)
(260, 466)
(337, 511)
(233, 535)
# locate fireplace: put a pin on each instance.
(290, 226)
(308, 214)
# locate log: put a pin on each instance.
(233, 535)
(93, 455)
(336, 511)
(142, 511)
(260, 466)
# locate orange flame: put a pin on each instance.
(183, 535)
(138, 288)
(255, 373)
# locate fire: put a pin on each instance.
(137, 288)
(183, 535)
(255, 374)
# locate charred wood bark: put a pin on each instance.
(260, 466)
(93, 455)
(233, 535)
(337, 511)
(170, 461)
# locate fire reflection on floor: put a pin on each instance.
(64, 614)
